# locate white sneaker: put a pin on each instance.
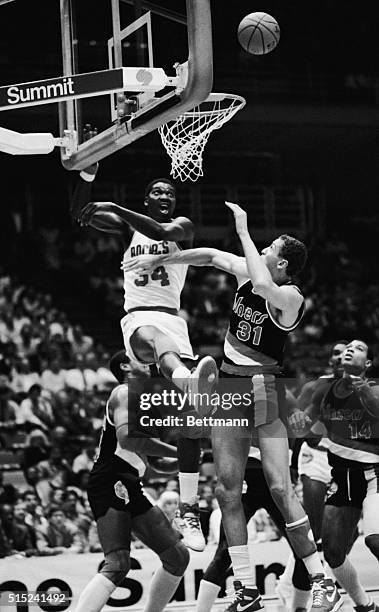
(201, 385)
(187, 522)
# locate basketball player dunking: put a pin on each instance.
(153, 332)
(267, 306)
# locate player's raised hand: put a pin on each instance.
(299, 422)
(240, 217)
(92, 208)
(140, 264)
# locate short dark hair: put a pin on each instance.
(295, 252)
(115, 362)
(53, 508)
(149, 187)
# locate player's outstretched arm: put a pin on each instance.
(285, 298)
(176, 230)
(105, 222)
(194, 257)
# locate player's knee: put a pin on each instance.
(146, 334)
(334, 555)
(227, 492)
(372, 543)
(175, 559)
(116, 565)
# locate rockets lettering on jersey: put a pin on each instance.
(254, 336)
(163, 285)
(352, 431)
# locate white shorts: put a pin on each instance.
(314, 464)
(172, 325)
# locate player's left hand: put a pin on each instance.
(92, 208)
(140, 264)
(240, 217)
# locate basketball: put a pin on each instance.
(258, 33)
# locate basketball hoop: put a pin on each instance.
(185, 138)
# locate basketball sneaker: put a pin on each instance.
(370, 607)
(201, 384)
(246, 599)
(325, 595)
(187, 521)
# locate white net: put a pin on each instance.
(185, 138)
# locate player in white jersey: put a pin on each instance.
(349, 410)
(153, 331)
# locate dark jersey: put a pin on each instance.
(352, 431)
(254, 336)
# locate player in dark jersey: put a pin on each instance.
(120, 505)
(310, 458)
(152, 330)
(349, 410)
(267, 306)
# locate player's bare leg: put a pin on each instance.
(338, 531)
(149, 345)
(230, 451)
(154, 530)
(273, 443)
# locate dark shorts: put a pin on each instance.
(266, 394)
(347, 488)
(120, 491)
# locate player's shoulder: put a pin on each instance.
(119, 394)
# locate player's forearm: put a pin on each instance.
(81, 197)
(192, 257)
(257, 269)
(108, 222)
(141, 223)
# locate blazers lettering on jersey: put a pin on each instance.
(255, 336)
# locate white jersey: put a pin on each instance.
(162, 286)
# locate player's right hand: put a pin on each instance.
(140, 264)
(299, 422)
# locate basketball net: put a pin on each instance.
(185, 138)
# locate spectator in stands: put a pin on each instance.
(75, 377)
(34, 515)
(60, 536)
(75, 513)
(172, 485)
(105, 378)
(20, 520)
(36, 410)
(8, 493)
(90, 371)
(80, 343)
(168, 502)
(17, 537)
(54, 377)
(37, 449)
(206, 507)
(23, 378)
(8, 412)
(55, 471)
(27, 343)
(84, 461)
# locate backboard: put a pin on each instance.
(142, 35)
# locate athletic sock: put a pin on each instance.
(314, 565)
(188, 486)
(286, 577)
(300, 598)
(347, 576)
(242, 567)
(95, 594)
(162, 588)
(206, 596)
